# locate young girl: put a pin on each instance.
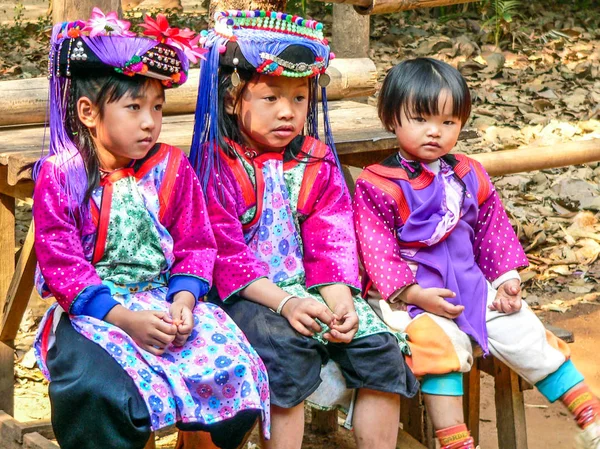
(125, 246)
(286, 268)
(433, 235)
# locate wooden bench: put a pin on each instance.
(360, 140)
(357, 130)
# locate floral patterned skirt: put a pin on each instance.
(211, 378)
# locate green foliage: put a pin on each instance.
(500, 15)
(19, 33)
(297, 7)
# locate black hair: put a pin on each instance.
(101, 89)
(414, 87)
(228, 126)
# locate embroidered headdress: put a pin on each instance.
(104, 45)
(264, 42)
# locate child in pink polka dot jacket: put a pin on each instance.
(433, 235)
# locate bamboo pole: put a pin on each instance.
(23, 102)
(389, 6)
(539, 157)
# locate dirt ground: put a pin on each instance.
(548, 425)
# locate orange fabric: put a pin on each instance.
(166, 187)
(450, 436)
(319, 150)
(484, 190)
(582, 403)
(391, 188)
(462, 167)
(558, 344)
(432, 351)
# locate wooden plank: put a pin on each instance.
(7, 267)
(510, 408)
(36, 441)
(41, 426)
(10, 432)
(471, 400)
(564, 334)
(323, 421)
(20, 289)
(7, 378)
(7, 244)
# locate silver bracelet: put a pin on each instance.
(283, 303)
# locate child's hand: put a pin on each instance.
(432, 300)
(344, 325)
(508, 297)
(301, 314)
(147, 328)
(182, 316)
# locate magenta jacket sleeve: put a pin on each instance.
(236, 266)
(496, 247)
(327, 228)
(186, 218)
(376, 218)
(58, 232)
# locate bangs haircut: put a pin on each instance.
(414, 86)
(101, 89)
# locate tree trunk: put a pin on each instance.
(350, 33)
(67, 10)
(272, 5)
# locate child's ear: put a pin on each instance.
(229, 104)
(87, 112)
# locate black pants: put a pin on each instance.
(96, 405)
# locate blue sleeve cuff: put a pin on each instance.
(449, 384)
(95, 301)
(560, 381)
(196, 286)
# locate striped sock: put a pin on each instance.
(582, 403)
(455, 437)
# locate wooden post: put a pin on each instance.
(7, 378)
(415, 421)
(510, 408)
(350, 33)
(324, 421)
(20, 290)
(67, 10)
(471, 400)
(7, 268)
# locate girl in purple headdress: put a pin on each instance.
(433, 235)
(125, 246)
(286, 268)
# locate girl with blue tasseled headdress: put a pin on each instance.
(125, 246)
(287, 268)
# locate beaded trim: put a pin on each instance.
(274, 65)
(226, 21)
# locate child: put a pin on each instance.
(286, 268)
(125, 246)
(433, 235)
